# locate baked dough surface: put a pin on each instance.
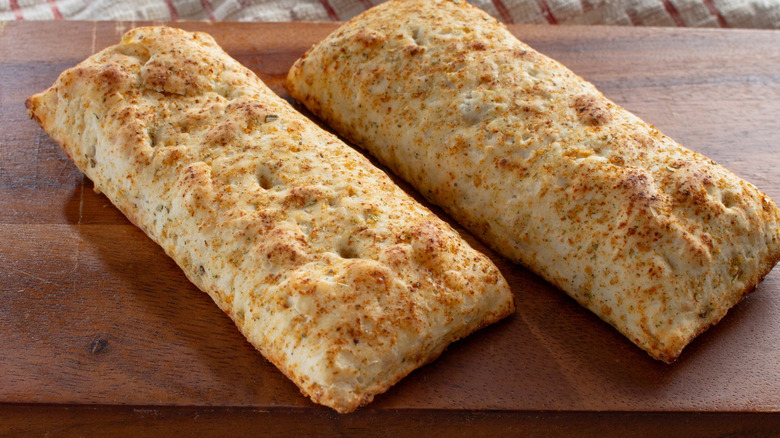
(657, 240)
(336, 275)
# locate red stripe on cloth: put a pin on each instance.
(329, 9)
(172, 10)
(55, 10)
(209, 9)
(17, 10)
(674, 13)
(586, 6)
(631, 12)
(714, 11)
(503, 11)
(546, 11)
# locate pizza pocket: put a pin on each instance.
(657, 240)
(336, 275)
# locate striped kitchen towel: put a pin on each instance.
(690, 13)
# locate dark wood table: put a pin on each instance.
(101, 333)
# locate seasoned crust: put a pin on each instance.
(657, 240)
(337, 276)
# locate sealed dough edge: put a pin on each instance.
(337, 276)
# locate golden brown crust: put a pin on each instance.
(657, 240)
(336, 275)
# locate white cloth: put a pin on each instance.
(690, 13)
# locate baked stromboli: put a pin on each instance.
(337, 276)
(657, 240)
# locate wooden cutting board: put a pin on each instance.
(100, 330)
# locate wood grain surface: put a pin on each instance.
(100, 331)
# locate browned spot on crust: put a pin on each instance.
(370, 38)
(414, 49)
(592, 110)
